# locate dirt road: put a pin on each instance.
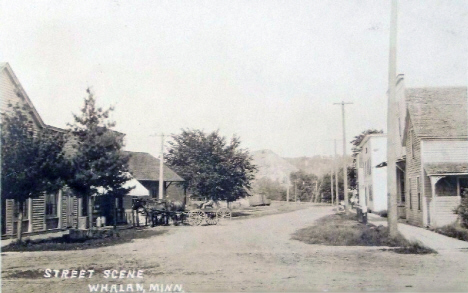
(243, 255)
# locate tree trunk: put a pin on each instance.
(115, 213)
(19, 230)
(90, 212)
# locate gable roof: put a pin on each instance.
(144, 166)
(4, 66)
(438, 112)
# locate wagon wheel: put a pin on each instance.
(224, 213)
(196, 217)
(212, 219)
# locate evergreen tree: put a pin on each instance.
(99, 167)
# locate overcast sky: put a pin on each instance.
(268, 71)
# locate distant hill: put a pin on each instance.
(271, 166)
(318, 165)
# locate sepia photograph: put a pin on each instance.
(234, 146)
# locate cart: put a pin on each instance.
(162, 213)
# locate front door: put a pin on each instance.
(70, 211)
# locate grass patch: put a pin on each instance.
(345, 230)
(453, 231)
(65, 243)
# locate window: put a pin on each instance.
(84, 206)
(410, 193)
(463, 183)
(371, 198)
(412, 143)
(402, 187)
(51, 205)
(418, 190)
(25, 209)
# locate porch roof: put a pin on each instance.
(446, 168)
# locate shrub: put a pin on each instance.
(462, 209)
(453, 231)
(344, 230)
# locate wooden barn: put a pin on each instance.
(145, 170)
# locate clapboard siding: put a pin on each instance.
(449, 151)
(38, 213)
(414, 216)
(9, 95)
(444, 214)
(8, 92)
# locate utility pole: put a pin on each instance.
(345, 167)
(336, 179)
(392, 217)
(287, 192)
(161, 169)
(332, 193)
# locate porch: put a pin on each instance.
(448, 185)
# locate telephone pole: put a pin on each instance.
(161, 168)
(336, 179)
(391, 126)
(332, 193)
(345, 167)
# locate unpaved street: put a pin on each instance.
(243, 255)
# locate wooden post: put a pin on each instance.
(59, 209)
(161, 170)
(331, 186)
(115, 212)
(30, 219)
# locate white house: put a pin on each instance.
(372, 180)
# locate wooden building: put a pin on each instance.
(145, 169)
(436, 141)
(47, 212)
(372, 179)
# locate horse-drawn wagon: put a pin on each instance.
(166, 213)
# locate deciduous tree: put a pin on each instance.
(212, 167)
(32, 160)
